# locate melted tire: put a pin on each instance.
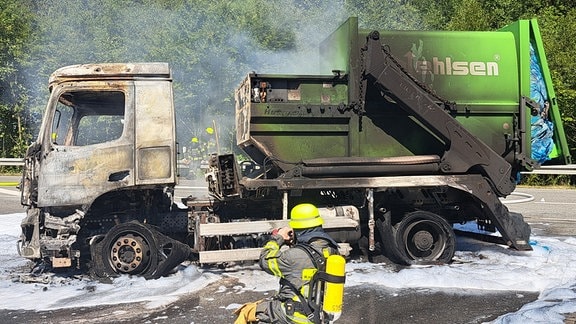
(387, 237)
(136, 249)
(424, 238)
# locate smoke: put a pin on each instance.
(211, 46)
(237, 46)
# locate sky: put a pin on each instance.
(548, 270)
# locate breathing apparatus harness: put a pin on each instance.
(312, 306)
(326, 284)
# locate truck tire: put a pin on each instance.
(128, 248)
(136, 249)
(424, 238)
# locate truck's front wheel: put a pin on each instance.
(128, 248)
(136, 249)
(423, 238)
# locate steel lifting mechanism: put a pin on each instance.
(464, 152)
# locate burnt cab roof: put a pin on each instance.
(100, 71)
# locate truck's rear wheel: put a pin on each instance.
(423, 238)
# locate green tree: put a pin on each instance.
(473, 14)
(210, 45)
(390, 14)
(15, 33)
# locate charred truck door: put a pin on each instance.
(89, 149)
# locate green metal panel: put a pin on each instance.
(485, 73)
(477, 70)
(474, 69)
(340, 52)
(300, 117)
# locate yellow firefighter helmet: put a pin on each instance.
(305, 216)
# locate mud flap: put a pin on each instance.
(164, 253)
(514, 230)
(514, 227)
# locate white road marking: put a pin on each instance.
(9, 192)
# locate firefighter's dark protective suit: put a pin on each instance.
(295, 266)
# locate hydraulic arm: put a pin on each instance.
(464, 152)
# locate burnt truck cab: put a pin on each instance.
(107, 128)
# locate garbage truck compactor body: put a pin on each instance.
(406, 134)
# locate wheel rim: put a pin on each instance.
(424, 239)
(129, 253)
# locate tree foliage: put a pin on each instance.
(392, 14)
(15, 33)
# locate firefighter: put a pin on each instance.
(295, 266)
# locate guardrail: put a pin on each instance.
(11, 162)
(569, 169)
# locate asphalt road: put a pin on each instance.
(367, 305)
(549, 212)
(9, 195)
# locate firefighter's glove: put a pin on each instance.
(247, 313)
(287, 234)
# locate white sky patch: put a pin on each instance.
(477, 267)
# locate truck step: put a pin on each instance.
(237, 228)
(220, 256)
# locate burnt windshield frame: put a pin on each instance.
(87, 117)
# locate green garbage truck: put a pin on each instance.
(401, 136)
